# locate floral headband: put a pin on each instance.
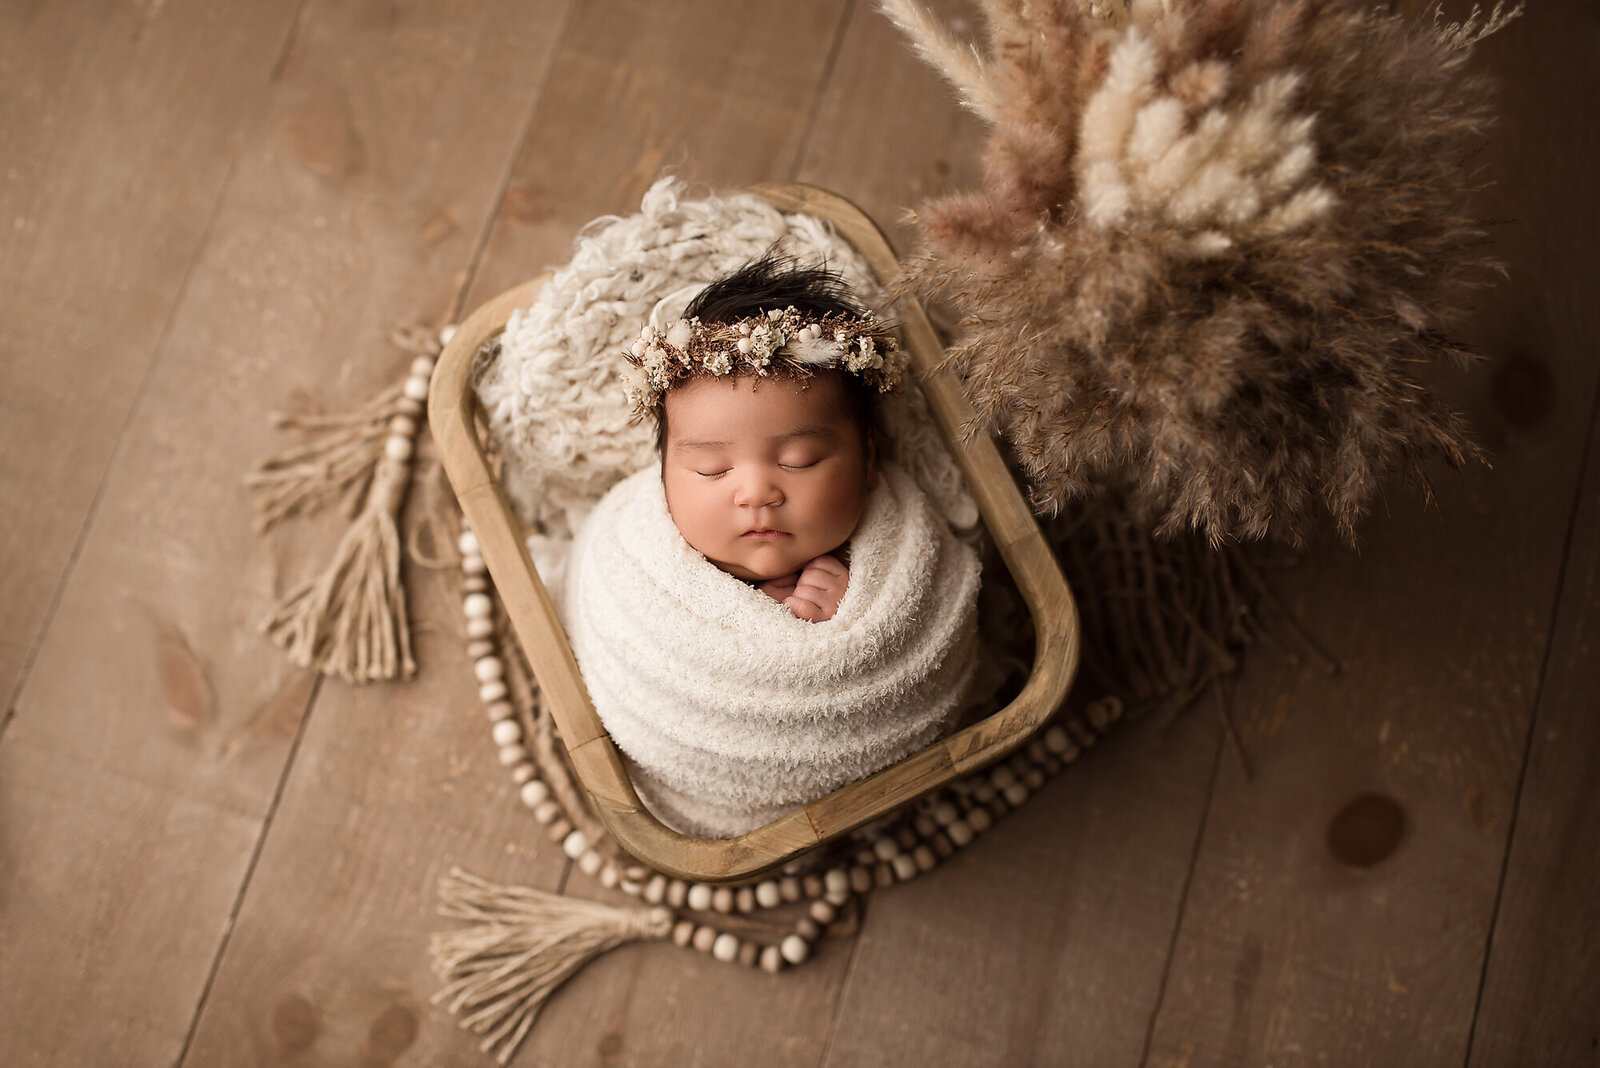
(787, 342)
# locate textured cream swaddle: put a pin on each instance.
(729, 709)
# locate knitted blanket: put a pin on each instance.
(730, 710)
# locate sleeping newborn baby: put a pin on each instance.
(773, 612)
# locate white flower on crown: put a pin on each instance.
(864, 357)
(718, 363)
(765, 339)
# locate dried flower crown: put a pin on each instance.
(787, 342)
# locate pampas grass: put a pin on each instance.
(1215, 243)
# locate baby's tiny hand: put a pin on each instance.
(817, 590)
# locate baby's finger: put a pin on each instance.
(806, 609)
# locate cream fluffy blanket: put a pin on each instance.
(730, 710)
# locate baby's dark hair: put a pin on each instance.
(772, 282)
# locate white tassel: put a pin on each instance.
(522, 945)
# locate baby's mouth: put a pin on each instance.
(764, 533)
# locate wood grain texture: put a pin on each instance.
(1315, 930)
(888, 133)
(96, 99)
(155, 704)
(1541, 992)
(1044, 942)
(1542, 983)
(717, 92)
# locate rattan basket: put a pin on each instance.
(452, 412)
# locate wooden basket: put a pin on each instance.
(451, 411)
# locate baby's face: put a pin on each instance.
(764, 475)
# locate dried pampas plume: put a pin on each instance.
(1216, 239)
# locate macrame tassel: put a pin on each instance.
(523, 944)
(339, 462)
(350, 621)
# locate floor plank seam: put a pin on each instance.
(249, 873)
(519, 146)
(1183, 900)
(1533, 721)
(844, 981)
(135, 406)
(828, 66)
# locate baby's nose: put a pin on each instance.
(759, 490)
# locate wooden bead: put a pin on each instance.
(480, 647)
(490, 692)
(907, 837)
(407, 406)
(403, 425)
(655, 891)
(575, 844)
(1034, 778)
(983, 793)
(547, 810)
(772, 960)
(1016, 794)
(475, 584)
(677, 893)
(960, 833)
(744, 899)
(422, 367)
(823, 912)
(398, 447)
(499, 710)
(1002, 777)
(507, 732)
(559, 829)
(795, 949)
(924, 826)
(904, 867)
(836, 881)
(789, 889)
(416, 388)
(512, 755)
(473, 565)
(767, 895)
(1081, 733)
(811, 886)
(808, 929)
(635, 887)
(866, 857)
(1056, 740)
(722, 899)
(943, 847)
(523, 774)
(926, 859)
(446, 333)
(944, 813)
(1052, 766)
(885, 848)
(979, 820)
(726, 948)
(489, 669)
(535, 793)
(467, 543)
(610, 876)
(477, 606)
(749, 953)
(999, 808)
(860, 878)
(682, 932)
(883, 875)
(704, 938)
(480, 628)
(590, 862)
(699, 897)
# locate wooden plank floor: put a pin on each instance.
(210, 858)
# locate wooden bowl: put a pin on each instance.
(452, 408)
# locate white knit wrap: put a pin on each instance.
(554, 397)
(731, 710)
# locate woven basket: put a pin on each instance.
(452, 411)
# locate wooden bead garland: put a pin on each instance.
(939, 826)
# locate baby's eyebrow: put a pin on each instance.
(798, 432)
